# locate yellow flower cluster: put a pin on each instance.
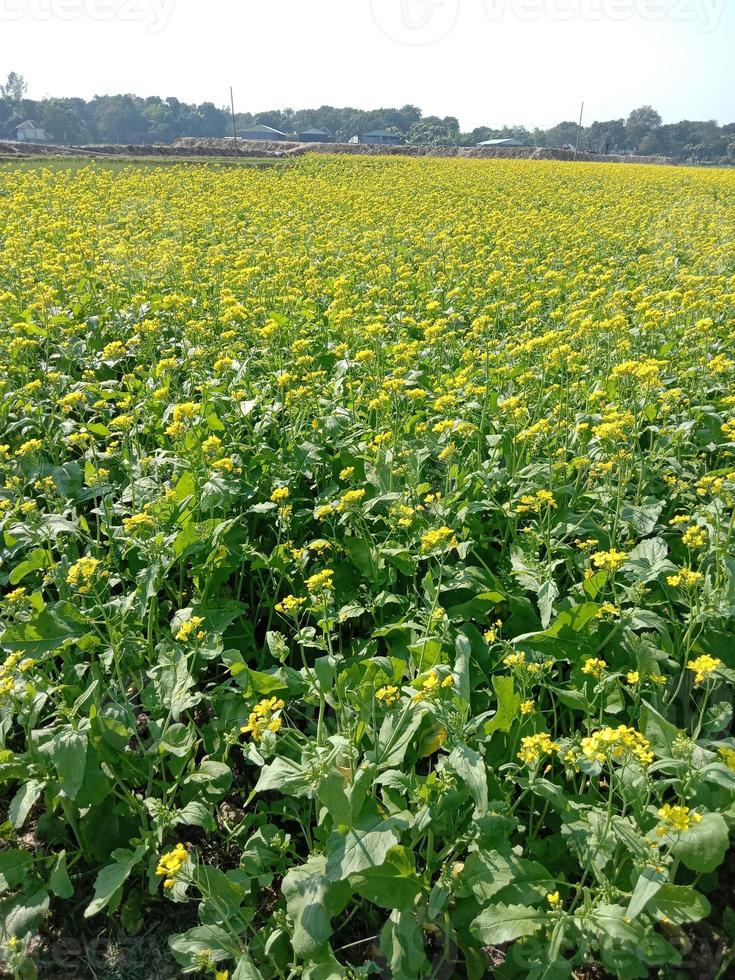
(290, 605)
(617, 744)
(190, 628)
(536, 502)
(703, 667)
(265, 717)
(170, 864)
(83, 573)
(684, 577)
(388, 695)
(535, 747)
(610, 561)
(676, 819)
(320, 583)
(442, 537)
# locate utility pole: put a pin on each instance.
(579, 130)
(234, 123)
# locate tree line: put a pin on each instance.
(132, 119)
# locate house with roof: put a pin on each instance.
(315, 136)
(509, 141)
(380, 137)
(262, 132)
(29, 132)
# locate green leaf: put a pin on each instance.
(196, 814)
(358, 850)
(37, 560)
(505, 923)
(395, 736)
(547, 596)
(394, 885)
(485, 873)
(509, 703)
(69, 755)
(659, 732)
(112, 877)
(470, 767)
(312, 900)
(23, 802)
(648, 560)
(14, 865)
(678, 904)
(23, 913)
(642, 518)
(246, 969)
(212, 940)
(59, 881)
(649, 883)
(703, 847)
(402, 944)
(51, 629)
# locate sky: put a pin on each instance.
(488, 62)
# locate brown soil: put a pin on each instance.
(193, 147)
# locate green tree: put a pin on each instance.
(61, 122)
(14, 89)
(641, 123)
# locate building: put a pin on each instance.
(380, 136)
(29, 132)
(511, 141)
(261, 132)
(315, 136)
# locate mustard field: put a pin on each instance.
(367, 567)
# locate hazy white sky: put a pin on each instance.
(485, 61)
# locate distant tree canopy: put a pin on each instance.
(132, 119)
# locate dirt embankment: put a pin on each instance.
(286, 149)
(8, 148)
(188, 146)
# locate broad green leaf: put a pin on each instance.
(23, 913)
(69, 755)
(678, 904)
(358, 850)
(485, 873)
(217, 943)
(312, 900)
(394, 885)
(23, 802)
(648, 560)
(38, 559)
(470, 767)
(547, 596)
(51, 629)
(59, 881)
(649, 883)
(703, 847)
(14, 865)
(402, 944)
(246, 969)
(395, 736)
(112, 877)
(659, 732)
(498, 924)
(509, 704)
